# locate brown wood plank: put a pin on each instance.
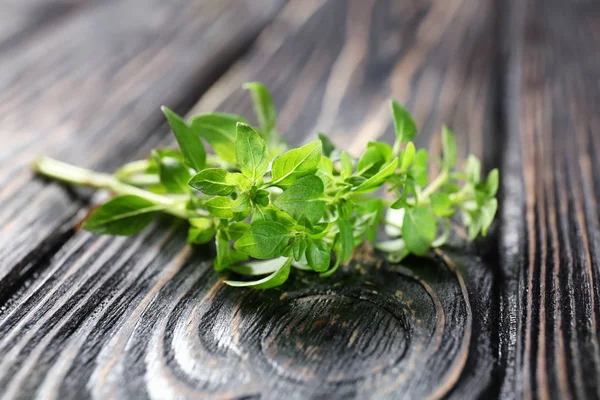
(146, 317)
(549, 242)
(89, 91)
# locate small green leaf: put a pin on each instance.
(418, 229)
(303, 199)
(346, 239)
(200, 235)
(299, 247)
(271, 213)
(251, 152)
(488, 211)
(441, 205)
(277, 278)
(473, 169)
(219, 130)
(449, 148)
(212, 181)
(264, 239)
(327, 145)
(405, 126)
(318, 255)
(374, 182)
(174, 175)
(226, 256)
(347, 166)
(492, 182)
(419, 168)
(325, 170)
(242, 207)
(295, 164)
(190, 144)
(261, 197)
(124, 216)
(373, 158)
(220, 207)
(236, 230)
(407, 156)
(263, 106)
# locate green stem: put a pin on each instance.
(433, 186)
(84, 177)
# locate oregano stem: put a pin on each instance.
(84, 177)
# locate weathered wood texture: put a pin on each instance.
(88, 90)
(514, 315)
(549, 245)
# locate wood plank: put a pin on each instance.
(549, 242)
(89, 91)
(146, 317)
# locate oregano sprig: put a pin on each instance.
(269, 209)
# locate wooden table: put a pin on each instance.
(514, 315)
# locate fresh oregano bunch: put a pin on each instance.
(307, 207)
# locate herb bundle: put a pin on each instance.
(307, 207)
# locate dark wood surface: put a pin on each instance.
(513, 315)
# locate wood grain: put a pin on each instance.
(146, 317)
(549, 240)
(89, 90)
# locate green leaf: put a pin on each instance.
(201, 234)
(299, 247)
(405, 126)
(473, 169)
(242, 207)
(220, 207)
(295, 164)
(261, 197)
(325, 170)
(212, 181)
(226, 256)
(158, 154)
(264, 239)
(236, 230)
(347, 166)
(271, 213)
(251, 152)
(407, 156)
(373, 158)
(488, 211)
(419, 168)
(190, 144)
(492, 182)
(318, 255)
(219, 130)
(374, 182)
(449, 148)
(174, 175)
(277, 278)
(346, 239)
(327, 145)
(441, 205)
(303, 199)
(124, 216)
(262, 267)
(418, 229)
(263, 106)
